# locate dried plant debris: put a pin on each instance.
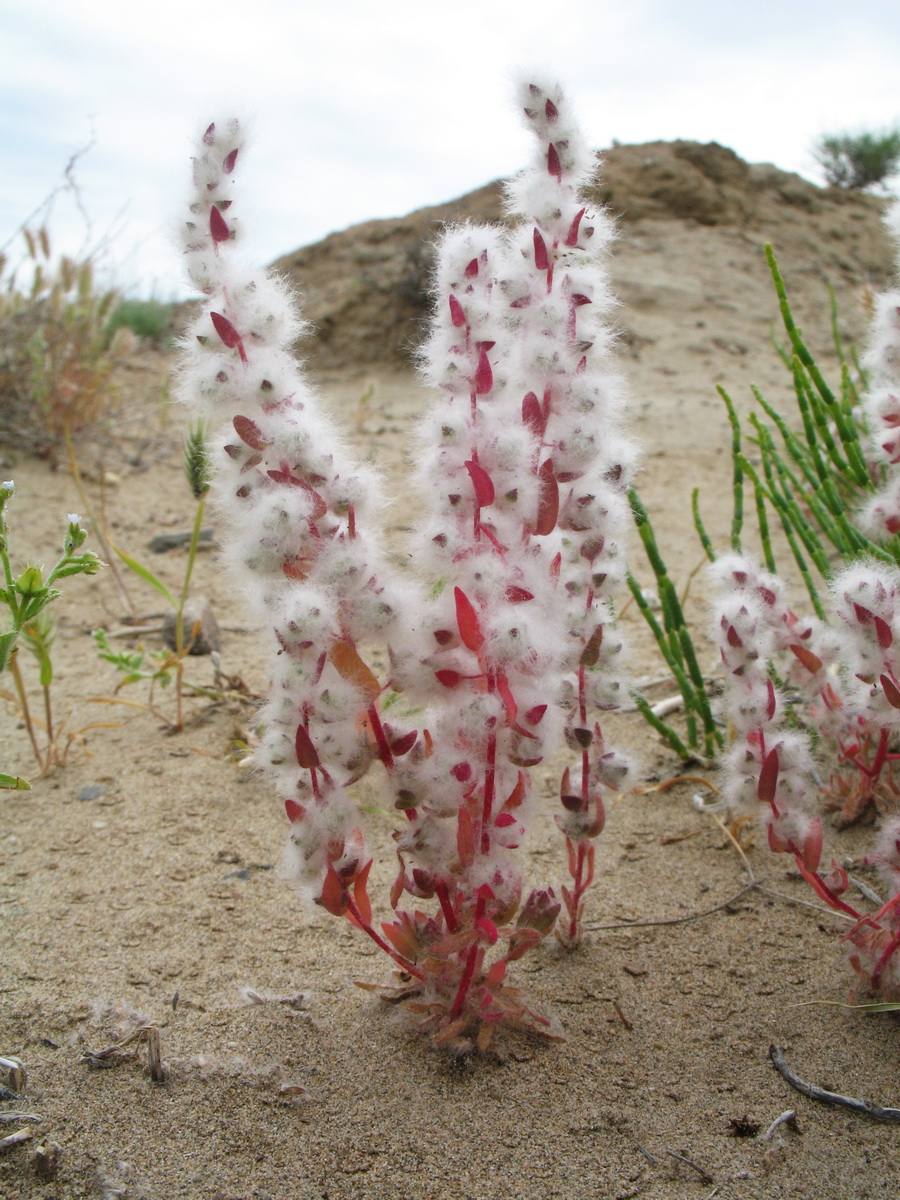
(743, 1127)
(296, 1002)
(148, 1035)
(816, 1093)
(15, 1077)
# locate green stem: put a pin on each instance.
(845, 426)
(95, 524)
(737, 520)
(700, 527)
(661, 727)
(23, 704)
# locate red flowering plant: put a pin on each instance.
(502, 643)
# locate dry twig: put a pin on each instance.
(875, 1111)
(704, 1175)
(681, 920)
(16, 1139)
(786, 1118)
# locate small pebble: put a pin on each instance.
(92, 791)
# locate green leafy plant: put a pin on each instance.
(811, 481)
(814, 481)
(702, 737)
(166, 667)
(26, 596)
(858, 160)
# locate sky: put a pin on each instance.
(373, 108)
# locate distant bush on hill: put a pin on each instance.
(150, 319)
(858, 160)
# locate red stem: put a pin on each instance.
(577, 893)
(489, 779)
(446, 907)
(384, 750)
(469, 970)
(884, 959)
(379, 941)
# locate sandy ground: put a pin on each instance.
(140, 884)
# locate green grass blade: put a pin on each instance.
(146, 574)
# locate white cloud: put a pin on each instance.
(365, 110)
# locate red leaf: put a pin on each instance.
(209, 136)
(465, 838)
(518, 595)
(770, 699)
(449, 679)
(472, 269)
(734, 638)
(812, 845)
(484, 376)
(821, 887)
(508, 699)
(541, 261)
(307, 756)
(535, 715)
(462, 771)
(225, 330)
(532, 415)
(488, 928)
(572, 235)
(403, 745)
(496, 973)
(553, 164)
(891, 692)
(284, 475)
(590, 655)
(295, 811)
(250, 433)
(884, 633)
(457, 316)
(467, 620)
(230, 160)
(551, 112)
(862, 613)
(400, 939)
(361, 895)
(482, 482)
(334, 898)
(504, 820)
(218, 226)
(346, 661)
(517, 795)
(768, 778)
(548, 502)
(811, 661)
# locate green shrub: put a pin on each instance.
(150, 319)
(858, 160)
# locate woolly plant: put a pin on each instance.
(501, 643)
(814, 703)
